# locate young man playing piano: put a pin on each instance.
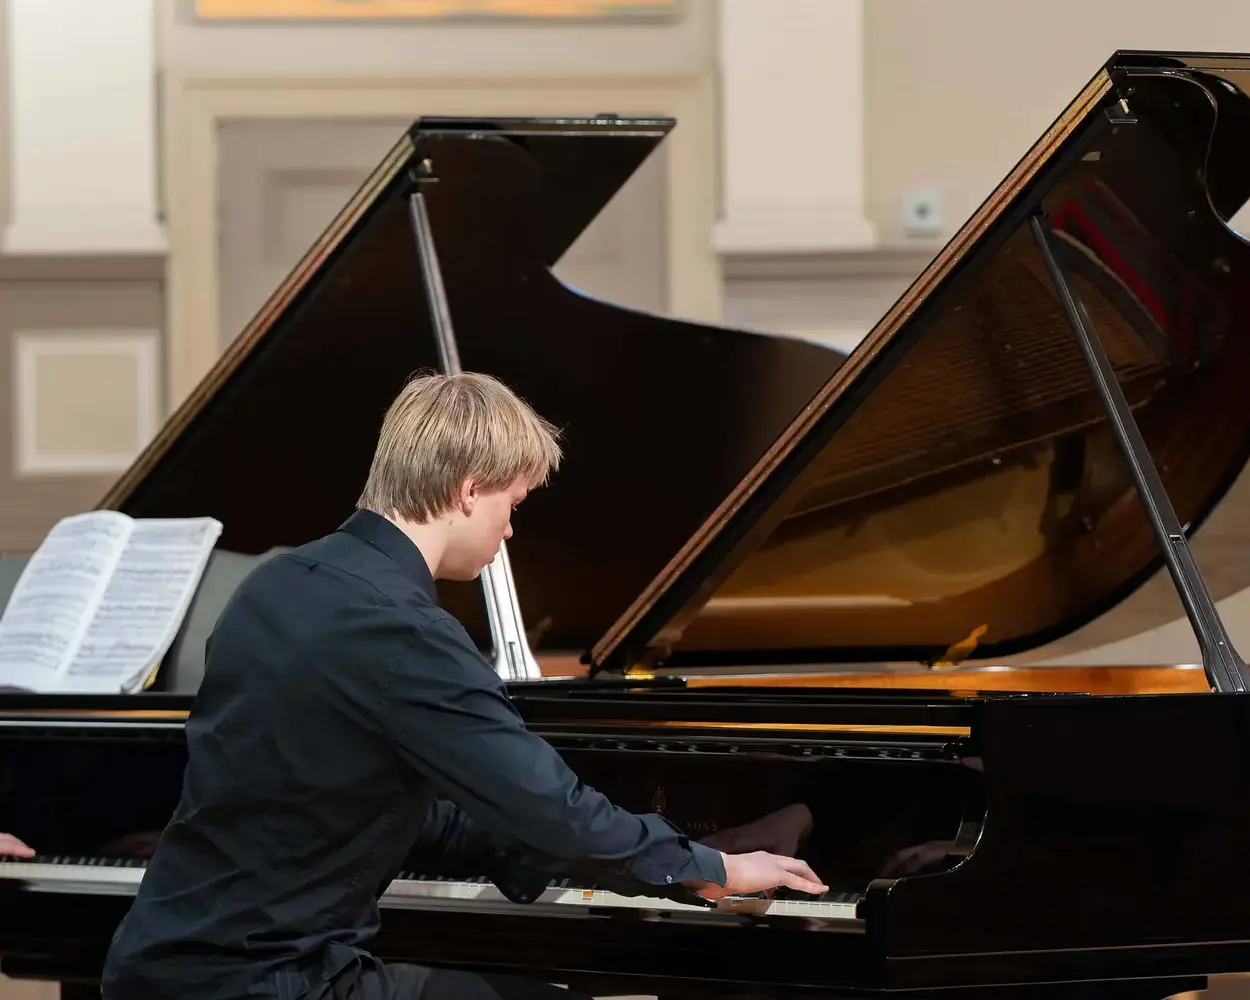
(344, 717)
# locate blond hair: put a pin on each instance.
(444, 429)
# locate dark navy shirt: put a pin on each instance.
(344, 717)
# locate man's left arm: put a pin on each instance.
(451, 839)
(452, 833)
(449, 834)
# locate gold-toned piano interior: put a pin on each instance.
(977, 489)
(978, 680)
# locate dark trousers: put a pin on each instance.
(374, 980)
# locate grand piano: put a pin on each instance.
(769, 573)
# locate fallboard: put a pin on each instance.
(84, 779)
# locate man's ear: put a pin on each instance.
(466, 497)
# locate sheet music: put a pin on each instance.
(53, 600)
(143, 605)
(101, 601)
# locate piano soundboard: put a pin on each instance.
(410, 890)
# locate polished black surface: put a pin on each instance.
(1137, 807)
(958, 470)
(577, 171)
(1060, 845)
(644, 402)
(1062, 837)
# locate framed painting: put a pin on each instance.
(408, 10)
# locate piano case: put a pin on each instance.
(768, 572)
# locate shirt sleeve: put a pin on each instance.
(450, 833)
(448, 829)
(449, 717)
(450, 840)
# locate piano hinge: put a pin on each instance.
(1120, 114)
(960, 651)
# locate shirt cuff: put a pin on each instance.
(673, 858)
(708, 864)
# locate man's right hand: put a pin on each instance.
(762, 872)
(9, 844)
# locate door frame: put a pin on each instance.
(193, 107)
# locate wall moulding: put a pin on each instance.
(832, 297)
(194, 107)
(110, 374)
(75, 269)
(903, 261)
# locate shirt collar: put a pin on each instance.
(385, 536)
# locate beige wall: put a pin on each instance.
(80, 354)
(452, 48)
(958, 90)
(5, 186)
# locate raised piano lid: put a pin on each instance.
(955, 480)
(661, 417)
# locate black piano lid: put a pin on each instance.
(276, 440)
(956, 478)
(579, 175)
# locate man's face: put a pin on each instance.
(483, 522)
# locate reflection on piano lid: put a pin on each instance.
(276, 440)
(958, 475)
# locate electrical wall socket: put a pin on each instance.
(922, 213)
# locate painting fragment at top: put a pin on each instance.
(431, 9)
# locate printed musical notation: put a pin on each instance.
(101, 600)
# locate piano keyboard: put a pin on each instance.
(99, 876)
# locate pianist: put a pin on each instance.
(344, 717)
